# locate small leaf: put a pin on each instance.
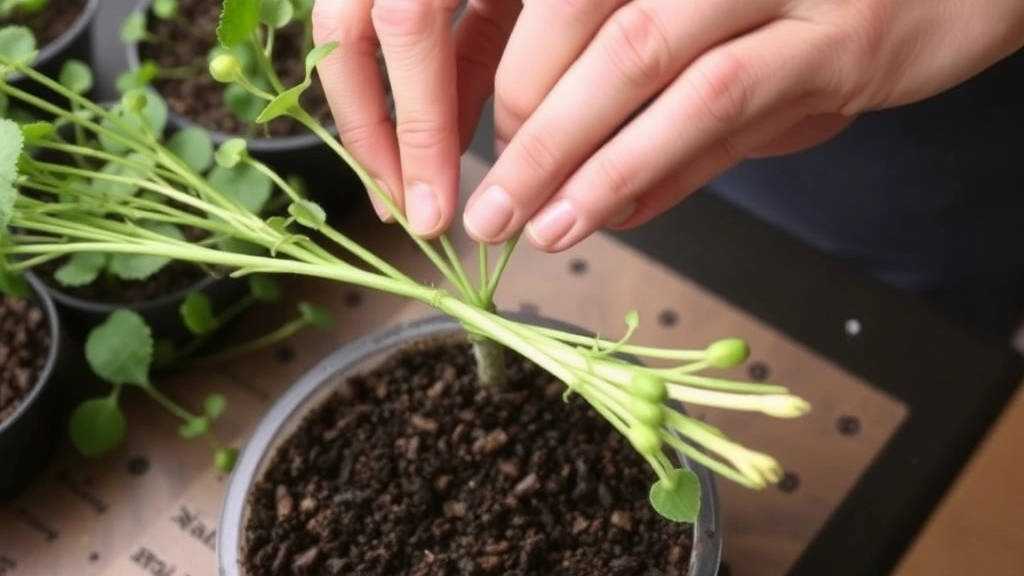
(11, 136)
(165, 9)
(82, 268)
(120, 190)
(231, 152)
(276, 13)
(137, 78)
(194, 146)
(13, 284)
(315, 315)
(264, 289)
(120, 350)
(243, 104)
(197, 313)
(214, 406)
(632, 319)
(17, 45)
(194, 427)
(308, 213)
(97, 426)
(303, 9)
(35, 132)
(238, 22)
(142, 266)
(680, 502)
(76, 76)
(246, 184)
(316, 55)
(133, 28)
(224, 459)
(282, 104)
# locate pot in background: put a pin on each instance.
(361, 356)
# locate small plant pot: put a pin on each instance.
(329, 180)
(74, 43)
(29, 433)
(343, 407)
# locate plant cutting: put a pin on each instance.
(641, 403)
(170, 43)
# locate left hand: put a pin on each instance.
(714, 83)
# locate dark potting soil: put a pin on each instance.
(198, 96)
(412, 470)
(50, 22)
(24, 346)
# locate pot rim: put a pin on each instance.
(80, 26)
(41, 298)
(298, 399)
(257, 145)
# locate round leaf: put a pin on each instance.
(133, 28)
(120, 350)
(197, 313)
(82, 268)
(194, 427)
(141, 266)
(165, 9)
(243, 104)
(10, 135)
(225, 459)
(17, 44)
(231, 152)
(194, 146)
(214, 406)
(681, 501)
(97, 426)
(308, 213)
(246, 184)
(315, 315)
(264, 289)
(276, 13)
(239, 19)
(76, 76)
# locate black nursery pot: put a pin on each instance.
(330, 181)
(74, 43)
(313, 389)
(29, 436)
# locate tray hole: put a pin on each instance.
(138, 465)
(578, 266)
(668, 318)
(94, 556)
(790, 482)
(284, 354)
(758, 371)
(353, 298)
(529, 308)
(848, 425)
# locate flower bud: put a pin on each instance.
(726, 353)
(225, 68)
(645, 439)
(649, 387)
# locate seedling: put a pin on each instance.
(640, 401)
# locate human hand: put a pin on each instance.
(723, 81)
(439, 77)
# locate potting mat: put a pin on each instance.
(151, 508)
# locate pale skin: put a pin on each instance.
(702, 84)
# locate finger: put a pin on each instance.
(359, 108)
(546, 40)
(416, 38)
(641, 48)
(810, 132)
(725, 89)
(480, 38)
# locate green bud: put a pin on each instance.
(645, 439)
(647, 413)
(649, 387)
(225, 68)
(225, 459)
(726, 353)
(134, 101)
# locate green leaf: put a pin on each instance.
(276, 13)
(137, 78)
(315, 315)
(97, 426)
(238, 22)
(17, 45)
(308, 213)
(76, 76)
(681, 501)
(165, 9)
(11, 136)
(214, 406)
(194, 146)
(303, 9)
(284, 102)
(197, 313)
(34, 132)
(194, 427)
(231, 152)
(120, 350)
(120, 190)
(153, 120)
(13, 284)
(263, 288)
(142, 266)
(81, 268)
(243, 104)
(632, 319)
(246, 184)
(224, 459)
(133, 28)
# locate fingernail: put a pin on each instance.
(378, 205)
(488, 216)
(552, 224)
(623, 214)
(423, 209)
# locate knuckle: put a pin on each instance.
(534, 148)
(569, 8)
(514, 102)
(326, 20)
(356, 135)
(722, 86)
(613, 177)
(409, 18)
(416, 134)
(638, 45)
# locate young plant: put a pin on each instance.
(640, 401)
(11, 8)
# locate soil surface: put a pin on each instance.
(201, 98)
(49, 23)
(24, 346)
(412, 470)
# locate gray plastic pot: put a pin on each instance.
(363, 355)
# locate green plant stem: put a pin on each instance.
(232, 312)
(168, 404)
(250, 346)
(263, 60)
(499, 267)
(365, 255)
